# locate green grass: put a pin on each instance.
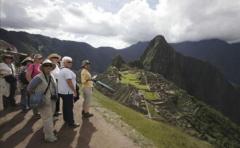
(131, 78)
(162, 135)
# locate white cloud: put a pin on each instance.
(119, 23)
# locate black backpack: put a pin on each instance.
(22, 77)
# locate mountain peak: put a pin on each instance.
(159, 39)
(199, 78)
(158, 47)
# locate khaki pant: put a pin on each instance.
(1, 102)
(46, 111)
(4, 90)
(87, 94)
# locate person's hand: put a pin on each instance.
(30, 92)
(74, 94)
(94, 80)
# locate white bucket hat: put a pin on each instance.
(47, 61)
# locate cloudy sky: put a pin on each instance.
(120, 23)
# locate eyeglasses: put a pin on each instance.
(69, 62)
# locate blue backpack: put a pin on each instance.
(37, 99)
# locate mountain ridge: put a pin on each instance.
(225, 56)
(219, 53)
(101, 57)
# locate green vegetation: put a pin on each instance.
(118, 62)
(162, 135)
(131, 78)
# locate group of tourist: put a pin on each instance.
(51, 79)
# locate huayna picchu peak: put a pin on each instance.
(198, 78)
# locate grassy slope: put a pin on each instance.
(163, 135)
(131, 78)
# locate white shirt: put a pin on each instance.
(56, 72)
(6, 70)
(64, 75)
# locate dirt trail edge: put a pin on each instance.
(21, 130)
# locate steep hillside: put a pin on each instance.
(161, 100)
(161, 134)
(200, 79)
(225, 56)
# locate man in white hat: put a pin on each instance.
(4, 86)
(55, 58)
(8, 69)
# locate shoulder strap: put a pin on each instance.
(10, 66)
(47, 85)
(33, 69)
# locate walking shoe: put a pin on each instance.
(57, 114)
(24, 110)
(87, 115)
(73, 125)
(51, 139)
(37, 116)
(55, 133)
(55, 118)
(13, 105)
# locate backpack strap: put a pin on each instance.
(48, 84)
(33, 69)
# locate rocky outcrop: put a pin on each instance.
(198, 78)
(6, 46)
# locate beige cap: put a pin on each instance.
(54, 55)
(27, 59)
(7, 56)
(38, 56)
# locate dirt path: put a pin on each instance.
(20, 130)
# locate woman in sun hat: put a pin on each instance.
(87, 87)
(32, 71)
(45, 82)
(24, 82)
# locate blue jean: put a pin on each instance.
(24, 98)
(67, 108)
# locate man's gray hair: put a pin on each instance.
(66, 58)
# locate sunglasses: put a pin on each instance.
(47, 65)
(54, 58)
(9, 58)
(69, 62)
